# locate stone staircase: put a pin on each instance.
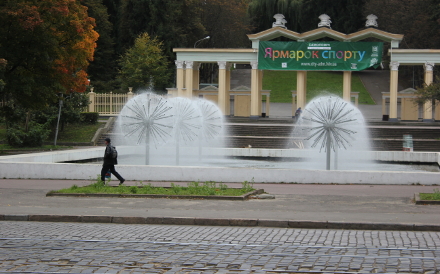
(426, 137)
(276, 134)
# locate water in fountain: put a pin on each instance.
(333, 134)
(172, 131)
(145, 120)
(183, 132)
(187, 124)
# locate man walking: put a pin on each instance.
(110, 162)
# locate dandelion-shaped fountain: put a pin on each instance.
(331, 123)
(187, 122)
(212, 122)
(147, 118)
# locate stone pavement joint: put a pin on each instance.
(218, 222)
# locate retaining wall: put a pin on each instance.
(45, 166)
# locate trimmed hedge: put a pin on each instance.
(89, 117)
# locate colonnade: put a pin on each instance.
(394, 81)
(187, 82)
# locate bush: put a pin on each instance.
(89, 117)
(34, 137)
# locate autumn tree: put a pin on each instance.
(47, 46)
(144, 65)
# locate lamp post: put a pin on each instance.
(59, 115)
(206, 38)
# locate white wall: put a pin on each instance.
(44, 166)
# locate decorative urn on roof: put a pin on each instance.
(279, 21)
(371, 21)
(325, 21)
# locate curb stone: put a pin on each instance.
(243, 197)
(294, 224)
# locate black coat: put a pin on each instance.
(108, 157)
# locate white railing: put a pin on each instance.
(108, 104)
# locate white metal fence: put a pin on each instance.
(108, 103)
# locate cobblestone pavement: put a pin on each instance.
(37, 247)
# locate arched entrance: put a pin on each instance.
(189, 60)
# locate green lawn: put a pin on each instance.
(72, 133)
(77, 133)
(281, 83)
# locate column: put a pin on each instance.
(346, 89)
(267, 106)
(394, 74)
(92, 97)
(196, 76)
(254, 91)
(260, 88)
(222, 100)
(427, 106)
(189, 78)
(301, 86)
(179, 78)
(228, 88)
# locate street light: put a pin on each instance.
(60, 96)
(206, 38)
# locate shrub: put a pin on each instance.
(34, 137)
(89, 117)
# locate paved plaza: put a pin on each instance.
(39, 247)
(78, 247)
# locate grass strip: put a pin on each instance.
(193, 189)
(431, 196)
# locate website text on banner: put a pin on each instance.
(352, 56)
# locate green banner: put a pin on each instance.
(352, 56)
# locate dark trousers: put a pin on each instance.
(112, 169)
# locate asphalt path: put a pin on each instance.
(380, 204)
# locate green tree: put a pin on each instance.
(175, 22)
(104, 67)
(302, 15)
(429, 92)
(227, 23)
(261, 13)
(417, 20)
(144, 65)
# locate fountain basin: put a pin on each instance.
(48, 165)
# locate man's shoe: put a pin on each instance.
(121, 182)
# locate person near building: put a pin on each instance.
(298, 113)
